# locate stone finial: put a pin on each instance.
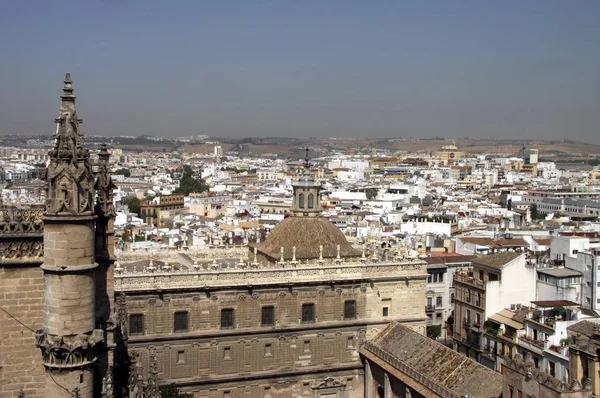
(320, 252)
(118, 268)
(255, 255)
(151, 267)
(294, 253)
(338, 252)
(107, 384)
(282, 259)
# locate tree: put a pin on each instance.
(371, 193)
(189, 184)
(123, 172)
(535, 214)
(133, 204)
(434, 331)
(171, 391)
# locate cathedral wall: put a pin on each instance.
(21, 294)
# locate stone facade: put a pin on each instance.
(523, 379)
(290, 355)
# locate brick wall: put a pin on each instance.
(21, 294)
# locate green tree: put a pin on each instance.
(434, 331)
(171, 391)
(133, 204)
(189, 184)
(123, 172)
(535, 214)
(371, 193)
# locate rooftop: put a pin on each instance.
(447, 371)
(497, 260)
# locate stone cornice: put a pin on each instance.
(255, 278)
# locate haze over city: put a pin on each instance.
(510, 69)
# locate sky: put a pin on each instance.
(482, 69)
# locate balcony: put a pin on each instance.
(429, 308)
(469, 280)
(467, 323)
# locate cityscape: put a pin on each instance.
(332, 263)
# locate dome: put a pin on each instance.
(307, 234)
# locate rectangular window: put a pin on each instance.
(267, 316)
(308, 313)
(136, 324)
(181, 357)
(438, 301)
(227, 353)
(385, 311)
(350, 343)
(268, 351)
(227, 318)
(350, 309)
(306, 348)
(180, 321)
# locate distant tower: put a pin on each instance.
(69, 341)
(307, 193)
(218, 151)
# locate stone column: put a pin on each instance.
(369, 385)
(68, 340)
(387, 386)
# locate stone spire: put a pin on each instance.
(69, 180)
(69, 341)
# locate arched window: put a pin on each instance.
(311, 201)
(301, 201)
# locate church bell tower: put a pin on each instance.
(307, 191)
(69, 340)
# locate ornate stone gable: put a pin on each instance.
(69, 177)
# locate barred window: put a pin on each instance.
(350, 309)
(180, 321)
(308, 313)
(227, 318)
(267, 316)
(136, 324)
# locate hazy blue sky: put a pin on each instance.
(496, 68)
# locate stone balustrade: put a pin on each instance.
(245, 274)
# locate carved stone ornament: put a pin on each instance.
(60, 354)
(328, 383)
(104, 185)
(19, 220)
(69, 176)
(282, 294)
(242, 297)
(255, 296)
(29, 249)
